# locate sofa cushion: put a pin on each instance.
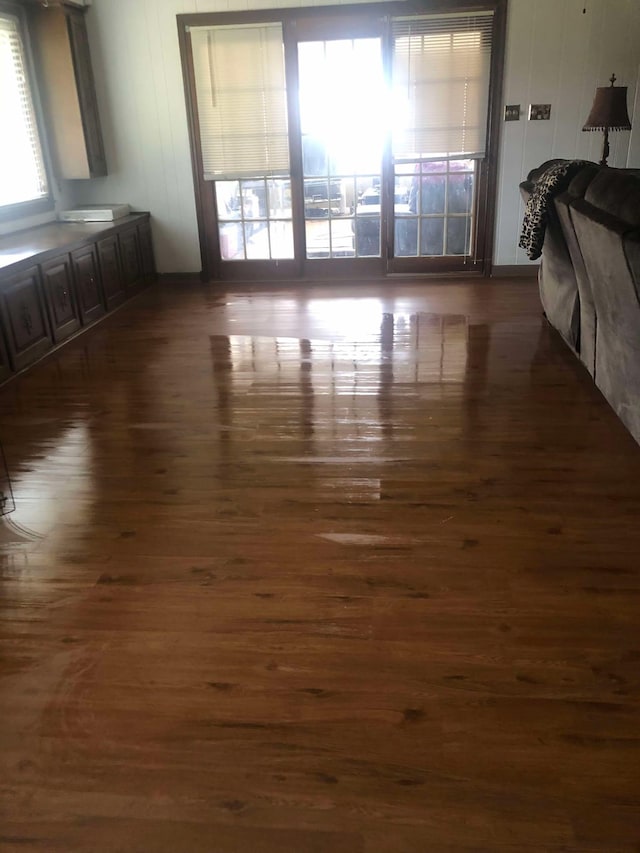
(578, 186)
(616, 191)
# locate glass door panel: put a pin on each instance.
(254, 219)
(341, 86)
(434, 208)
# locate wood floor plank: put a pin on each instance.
(334, 568)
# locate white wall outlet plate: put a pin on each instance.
(539, 112)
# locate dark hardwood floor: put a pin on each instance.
(346, 569)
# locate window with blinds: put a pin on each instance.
(22, 172)
(241, 100)
(441, 69)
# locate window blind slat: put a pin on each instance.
(22, 173)
(242, 101)
(441, 67)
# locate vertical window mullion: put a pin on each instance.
(445, 236)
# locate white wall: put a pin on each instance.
(555, 54)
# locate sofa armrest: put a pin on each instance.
(612, 261)
(632, 254)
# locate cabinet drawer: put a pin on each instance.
(112, 282)
(88, 287)
(57, 281)
(24, 317)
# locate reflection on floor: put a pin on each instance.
(323, 569)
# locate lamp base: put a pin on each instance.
(605, 148)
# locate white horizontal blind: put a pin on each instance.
(22, 174)
(441, 67)
(242, 100)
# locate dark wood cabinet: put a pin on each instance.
(57, 281)
(89, 290)
(24, 318)
(129, 242)
(112, 280)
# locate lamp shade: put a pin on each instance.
(609, 109)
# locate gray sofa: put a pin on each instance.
(589, 278)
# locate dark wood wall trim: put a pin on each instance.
(360, 10)
(484, 252)
(170, 277)
(515, 270)
(205, 213)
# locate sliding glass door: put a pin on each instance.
(333, 144)
(342, 134)
(240, 80)
(440, 87)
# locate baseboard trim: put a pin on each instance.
(510, 270)
(498, 271)
(168, 277)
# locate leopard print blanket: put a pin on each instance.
(554, 180)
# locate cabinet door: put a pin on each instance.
(57, 279)
(85, 268)
(129, 243)
(81, 56)
(24, 317)
(5, 366)
(112, 282)
(146, 251)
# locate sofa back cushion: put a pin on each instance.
(617, 192)
(578, 186)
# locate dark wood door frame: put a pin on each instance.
(290, 18)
